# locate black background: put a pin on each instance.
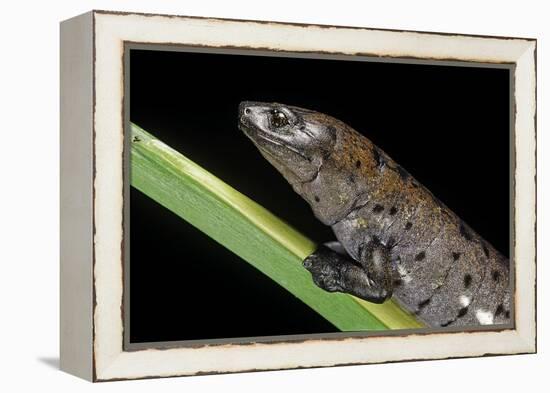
(447, 125)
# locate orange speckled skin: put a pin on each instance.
(441, 269)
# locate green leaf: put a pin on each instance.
(250, 231)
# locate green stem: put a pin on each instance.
(248, 230)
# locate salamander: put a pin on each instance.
(394, 237)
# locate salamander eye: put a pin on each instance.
(278, 119)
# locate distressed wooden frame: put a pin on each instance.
(92, 194)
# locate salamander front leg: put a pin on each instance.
(370, 279)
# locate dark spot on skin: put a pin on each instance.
(136, 139)
(467, 280)
(420, 256)
(378, 158)
(332, 132)
(408, 225)
(496, 275)
(393, 210)
(485, 249)
(391, 242)
(446, 213)
(375, 239)
(378, 208)
(507, 314)
(465, 232)
(463, 311)
(402, 173)
(317, 199)
(397, 282)
(351, 179)
(456, 255)
(499, 310)
(358, 164)
(447, 323)
(423, 303)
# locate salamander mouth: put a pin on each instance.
(248, 129)
(254, 134)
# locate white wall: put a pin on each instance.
(29, 193)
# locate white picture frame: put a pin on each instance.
(92, 194)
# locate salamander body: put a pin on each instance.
(394, 237)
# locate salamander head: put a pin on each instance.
(292, 139)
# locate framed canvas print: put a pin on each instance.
(245, 195)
